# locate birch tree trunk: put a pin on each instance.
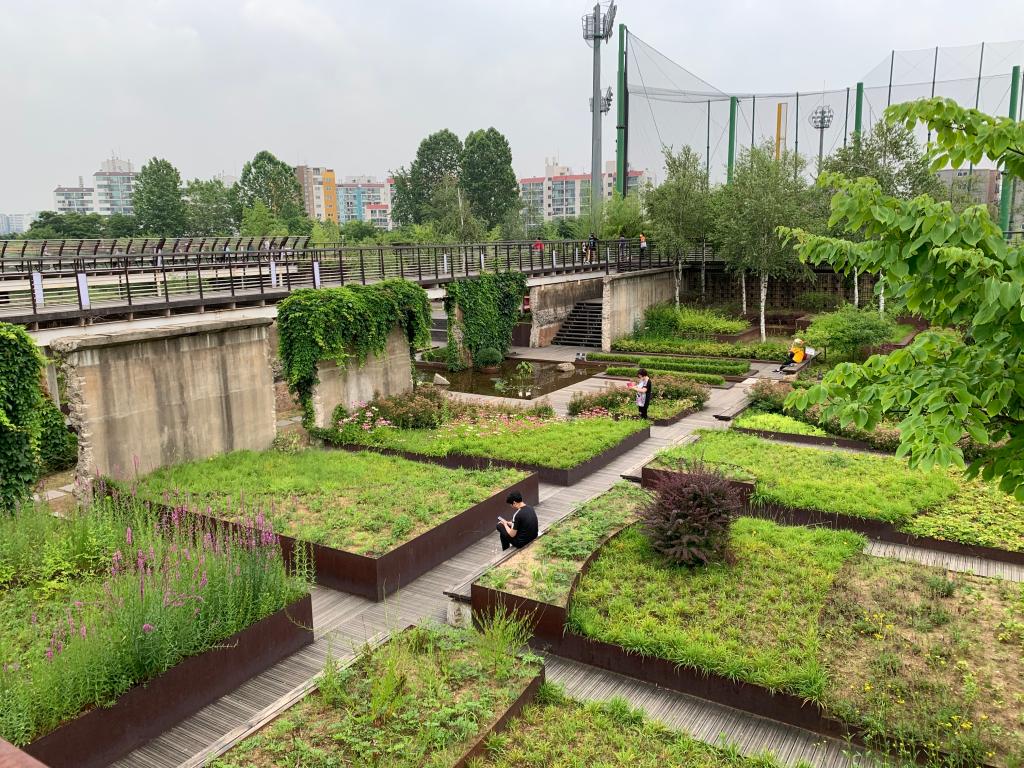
(856, 288)
(743, 291)
(881, 301)
(678, 277)
(764, 299)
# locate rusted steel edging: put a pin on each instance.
(479, 748)
(827, 440)
(101, 736)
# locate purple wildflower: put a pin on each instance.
(147, 628)
(128, 535)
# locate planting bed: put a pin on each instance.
(799, 626)
(876, 495)
(770, 351)
(774, 426)
(372, 522)
(675, 398)
(428, 697)
(123, 629)
(678, 364)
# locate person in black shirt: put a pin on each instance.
(522, 528)
(644, 389)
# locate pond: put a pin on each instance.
(513, 381)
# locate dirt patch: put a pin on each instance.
(284, 401)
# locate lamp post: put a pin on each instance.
(821, 119)
(597, 26)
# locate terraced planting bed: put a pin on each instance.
(373, 522)
(797, 625)
(428, 697)
(675, 398)
(776, 426)
(705, 365)
(113, 630)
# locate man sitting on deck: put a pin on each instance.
(522, 528)
(795, 356)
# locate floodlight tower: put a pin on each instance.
(821, 119)
(597, 26)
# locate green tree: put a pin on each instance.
(765, 194)
(324, 232)
(209, 208)
(451, 214)
(437, 163)
(260, 221)
(487, 178)
(954, 269)
(272, 182)
(356, 231)
(680, 209)
(157, 201)
(50, 225)
(121, 225)
(622, 216)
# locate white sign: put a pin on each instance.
(273, 274)
(83, 289)
(316, 274)
(37, 289)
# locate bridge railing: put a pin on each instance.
(38, 285)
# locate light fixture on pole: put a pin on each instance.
(597, 26)
(821, 119)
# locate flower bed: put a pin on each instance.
(374, 522)
(876, 495)
(675, 398)
(433, 428)
(427, 697)
(105, 637)
(680, 364)
(798, 626)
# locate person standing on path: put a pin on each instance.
(522, 528)
(643, 248)
(644, 391)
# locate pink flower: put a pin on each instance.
(147, 628)
(82, 630)
(128, 535)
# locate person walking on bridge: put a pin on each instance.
(592, 244)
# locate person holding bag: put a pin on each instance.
(644, 389)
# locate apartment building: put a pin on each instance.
(111, 191)
(80, 199)
(561, 193)
(16, 223)
(983, 184)
(319, 192)
(366, 198)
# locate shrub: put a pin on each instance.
(20, 395)
(688, 519)
(848, 329)
(667, 320)
(58, 448)
(670, 386)
(488, 357)
(704, 378)
(422, 409)
(777, 422)
(770, 396)
(817, 301)
(608, 400)
(684, 364)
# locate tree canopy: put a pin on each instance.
(209, 208)
(260, 221)
(272, 182)
(157, 201)
(438, 159)
(487, 176)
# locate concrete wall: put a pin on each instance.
(390, 374)
(144, 399)
(627, 296)
(550, 304)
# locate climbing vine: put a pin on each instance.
(343, 324)
(490, 305)
(20, 398)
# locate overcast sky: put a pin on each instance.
(356, 85)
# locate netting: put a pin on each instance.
(672, 107)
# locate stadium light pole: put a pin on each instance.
(820, 119)
(597, 26)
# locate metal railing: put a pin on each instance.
(81, 280)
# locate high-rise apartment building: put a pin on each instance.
(80, 199)
(16, 223)
(319, 192)
(560, 192)
(111, 191)
(364, 198)
(983, 184)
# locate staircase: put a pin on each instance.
(582, 328)
(439, 330)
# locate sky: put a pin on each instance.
(356, 86)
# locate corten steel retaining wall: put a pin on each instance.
(874, 529)
(817, 440)
(143, 399)
(349, 385)
(551, 475)
(627, 297)
(101, 736)
(479, 749)
(551, 304)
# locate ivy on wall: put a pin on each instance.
(20, 399)
(58, 448)
(490, 305)
(345, 324)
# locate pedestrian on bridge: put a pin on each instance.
(592, 244)
(643, 248)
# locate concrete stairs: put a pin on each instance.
(582, 328)
(439, 330)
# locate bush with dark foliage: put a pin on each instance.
(689, 516)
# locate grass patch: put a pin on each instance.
(668, 319)
(681, 364)
(359, 502)
(978, 513)
(419, 700)
(558, 732)
(754, 620)
(703, 378)
(768, 350)
(776, 422)
(545, 570)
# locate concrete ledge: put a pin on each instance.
(131, 336)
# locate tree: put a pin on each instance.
(622, 216)
(452, 216)
(260, 221)
(156, 199)
(50, 225)
(324, 232)
(438, 161)
(273, 182)
(121, 225)
(892, 156)
(680, 209)
(487, 178)
(356, 231)
(208, 208)
(954, 269)
(764, 195)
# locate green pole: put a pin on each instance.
(733, 101)
(858, 113)
(620, 126)
(1006, 189)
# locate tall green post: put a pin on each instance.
(733, 101)
(1006, 188)
(858, 111)
(621, 129)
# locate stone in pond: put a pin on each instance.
(441, 381)
(567, 367)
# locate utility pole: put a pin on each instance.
(597, 26)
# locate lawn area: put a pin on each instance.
(545, 570)
(776, 422)
(721, 367)
(673, 345)
(97, 602)
(558, 732)
(365, 503)
(940, 503)
(422, 699)
(525, 439)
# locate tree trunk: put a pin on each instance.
(743, 291)
(856, 288)
(881, 301)
(703, 283)
(678, 277)
(764, 299)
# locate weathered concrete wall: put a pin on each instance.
(550, 304)
(148, 398)
(627, 296)
(390, 374)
